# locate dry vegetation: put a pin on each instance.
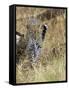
(52, 62)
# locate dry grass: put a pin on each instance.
(52, 62)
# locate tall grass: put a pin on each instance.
(52, 61)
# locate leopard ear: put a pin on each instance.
(44, 29)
